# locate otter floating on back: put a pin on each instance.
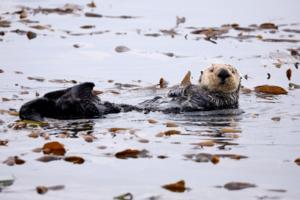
(218, 88)
(76, 102)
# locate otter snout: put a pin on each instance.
(223, 75)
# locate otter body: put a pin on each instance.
(218, 88)
(72, 103)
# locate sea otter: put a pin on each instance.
(218, 88)
(72, 103)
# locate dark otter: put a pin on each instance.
(72, 103)
(218, 88)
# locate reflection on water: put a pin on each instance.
(73, 127)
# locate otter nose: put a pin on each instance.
(223, 74)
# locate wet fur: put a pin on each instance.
(72, 103)
(212, 93)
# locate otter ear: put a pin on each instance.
(201, 73)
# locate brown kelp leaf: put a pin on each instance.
(44, 189)
(88, 14)
(14, 160)
(54, 148)
(168, 133)
(276, 119)
(289, 74)
(66, 9)
(4, 24)
(176, 187)
(171, 124)
(5, 99)
(211, 32)
(143, 141)
(229, 130)
(3, 142)
(10, 112)
(114, 130)
(31, 35)
(163, 83)
(36, 78)
(91, 5)
(238, 185)
(186, 80)
(294, 52)
(87, 26)
(215, 159)
(126, 196)
(102, 147)
(152, 121)
(169, 54)
(277, 190)
(74, 159)
(297, 161)
(24, 92)
(291, 30)
(41, 27)
(270, 89)
(162, 156)
(121, 49)
(88, 138)
(41, 189)
(152, 34)
(23, 14)
(128, 153)
(268, 26)
(48, 158)
(208, 143)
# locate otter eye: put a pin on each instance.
(233, 71)
(211, 70)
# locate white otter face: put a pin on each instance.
(220, 78)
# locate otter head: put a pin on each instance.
(220, 78)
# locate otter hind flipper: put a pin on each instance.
(55, 94)
(83, 90)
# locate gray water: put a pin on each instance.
(270, 146)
